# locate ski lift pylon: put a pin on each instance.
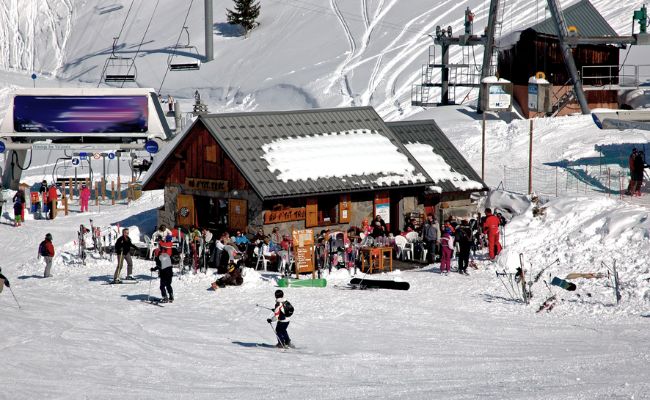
(119, 69)
(191, 61)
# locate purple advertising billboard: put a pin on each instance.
(81, 114)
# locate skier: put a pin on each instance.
(164, 265)
(18, 210)
(280, 314)
(84, 197)
(430, 235)
(46, 250)
(464, 240)
(632, 185)
(123, 247)
(52, 197)
(639, 167)
(3, 281)
(491, 228)
(231, 278)
(447, 244)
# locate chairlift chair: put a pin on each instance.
(119, 69)
(179, 62)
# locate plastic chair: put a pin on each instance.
(400, 243)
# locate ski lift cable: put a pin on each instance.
(171, 56)
(143, 38)
(115, 39)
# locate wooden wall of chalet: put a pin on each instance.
(199, 156)
(539, 52)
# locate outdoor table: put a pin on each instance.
(381, 252)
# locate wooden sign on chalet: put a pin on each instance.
(303, 251)
(208, 185)
(285, 215)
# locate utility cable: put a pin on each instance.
(142, 41)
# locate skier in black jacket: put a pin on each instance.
(279, 314)
(3, 281)
(164, 265)
(123, 247)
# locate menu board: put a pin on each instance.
(303, 251)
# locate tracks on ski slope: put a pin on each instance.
(339, 75)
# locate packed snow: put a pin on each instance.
(339, 154)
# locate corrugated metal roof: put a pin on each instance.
(242, 136)
(582, 15)
(428, 132)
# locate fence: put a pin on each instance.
(606, 180)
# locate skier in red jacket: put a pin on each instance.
(491, 229)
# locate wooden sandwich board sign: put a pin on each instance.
(303, 251)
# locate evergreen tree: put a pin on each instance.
(245, 14)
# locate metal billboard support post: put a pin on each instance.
(530, 159)
(483, 150)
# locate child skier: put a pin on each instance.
(3, 281)
(282, 315)
(164, 265)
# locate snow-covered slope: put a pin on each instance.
(304, 54)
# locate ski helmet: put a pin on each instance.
(279, 294)
(231, 267)
(48, 236)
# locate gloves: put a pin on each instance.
(269, 320)
(152, 269)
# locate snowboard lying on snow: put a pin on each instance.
(289, 282)
(563, 284)
(379, 284)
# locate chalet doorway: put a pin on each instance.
(211, 213)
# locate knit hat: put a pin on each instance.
(48, 236)
(279, 294)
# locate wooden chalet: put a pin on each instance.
(216, 173)
(537, 49)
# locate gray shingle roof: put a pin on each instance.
(582, 15)
(242, 136)
(428, 132)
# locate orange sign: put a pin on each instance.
(286, 215)
(303, 251)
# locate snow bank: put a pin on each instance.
(438, 169)
(339, 154)
(583, 233)
(507, 203)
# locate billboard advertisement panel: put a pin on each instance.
(81, 114)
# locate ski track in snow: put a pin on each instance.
(339, 74)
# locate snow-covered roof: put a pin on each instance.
(439, 170)
(309, 152)
(448, 169)
(338, 155)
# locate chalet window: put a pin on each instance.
(327, 210)
(211, 153)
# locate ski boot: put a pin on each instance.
(129, 278)
(171, 299)
(164, 300)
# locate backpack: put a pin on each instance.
(288, 309)
(42, 250)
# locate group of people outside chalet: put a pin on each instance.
(228, 251)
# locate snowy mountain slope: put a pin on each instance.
(304, 54)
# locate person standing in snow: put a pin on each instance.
(46, 250)
(491, 229)
(430, 235)
(123, 247)
(630, 162)
(43, 193)
(639, 168)
(18, 210)
(3, 281)
(52, 198)
(20, 195)
(464, 240)
(164, 265)
(84, 197)
(279, 314)
(447, 247)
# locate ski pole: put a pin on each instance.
(266, 308)
(276, 335)
(150, 279)
(12, 293)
